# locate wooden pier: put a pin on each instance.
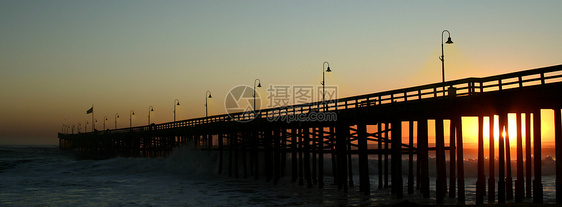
(371, 125)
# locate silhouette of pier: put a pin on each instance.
(371, 125)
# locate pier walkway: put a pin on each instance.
(372, 126)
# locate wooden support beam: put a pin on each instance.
(314, 151)
(364, 182)
(306, 151)
(283, 152)
(256, 150)
(452, 159)
(386, 130)
(519, 188)
(396, 136)
(457, 122)
(268, 154)
(301, 155)
(294, 157)
(441, 180)
(480, 183)
(235, 149)
(491, 160)
(380, 146)
(528, 159)
(349, 162)
(276, 155)
(537, 184)
(220, 142)
(411, 157)
(423, 157)
(320, 139)
(501, 161)
(244, 152)
(230, 155)
(335, 168)
(342, 133)
(558, 148)
(508, 179)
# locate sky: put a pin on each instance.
(58, 58)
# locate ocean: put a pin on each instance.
(47, 176)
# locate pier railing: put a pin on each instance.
(462, 87)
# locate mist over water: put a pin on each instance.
(46, 176)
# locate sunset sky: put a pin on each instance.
(58, 58)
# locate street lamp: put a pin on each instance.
(206, 109)
(94, 124)
(116, 116)
(259, 86)
(86, 127)
(176, 102)
(104, 119)
(324, 83)
(131, 113)
(150, 108)
(442, 58)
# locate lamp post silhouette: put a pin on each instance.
(324, 82)
(150, 108)
(104, 119)
(206, 108)
(86, 127)
(259, 86)
(79, 127)
(131, 113)
(176, 103)
(442, 58)
(94, 124)
(116, 116)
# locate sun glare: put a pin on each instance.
(470, 131)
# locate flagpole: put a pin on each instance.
(93, 123)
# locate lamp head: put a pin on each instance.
(449, 41)
(178, 103)
(151, 109)
(259, 85)
(117, 116)
(328, 70)
(210, 95)
(133, 113)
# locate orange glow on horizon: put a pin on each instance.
(470, 129)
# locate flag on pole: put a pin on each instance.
(91, 110)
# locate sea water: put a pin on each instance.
(47, 176)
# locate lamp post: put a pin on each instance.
(94, 125)
(79, 127)
(104, 119)
(324, 83)
(131, 113)
(176, 103)
(206, 108)
(116, 116)
(259, 86)
(442, 58)
(150, 108)
(86, 127)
